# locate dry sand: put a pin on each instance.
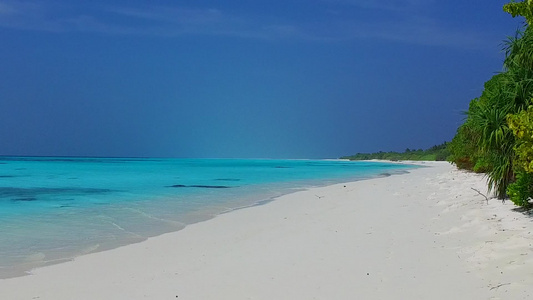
(422, 235)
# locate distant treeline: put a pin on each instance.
(438, 152)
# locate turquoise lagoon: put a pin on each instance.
(54, 209)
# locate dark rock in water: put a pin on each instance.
(201, 186)
(212, 186)
(25, 199)
(227, 179)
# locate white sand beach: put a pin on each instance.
(422, 235)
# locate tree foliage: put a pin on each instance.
(522, 126)
(497, 135)
(437, 152)
(523, 8)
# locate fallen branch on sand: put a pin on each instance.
(499, 285)
(486, 198)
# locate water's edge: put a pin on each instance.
(261, 195)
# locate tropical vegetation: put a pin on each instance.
(437, 152)
(497, 135)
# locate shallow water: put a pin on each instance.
(54, 209)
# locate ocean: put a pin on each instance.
(54, 209)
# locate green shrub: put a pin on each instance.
(521, 190)
(442, 154)
(464, 163)
(482, 166)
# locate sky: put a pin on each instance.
(241, 78)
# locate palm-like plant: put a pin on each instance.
(495, 142)
(518, 50)
(501, 174)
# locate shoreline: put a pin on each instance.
(387, 237)
(75, 229)
(191, 219)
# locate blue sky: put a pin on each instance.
(278, 79)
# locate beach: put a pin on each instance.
(427, 234)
